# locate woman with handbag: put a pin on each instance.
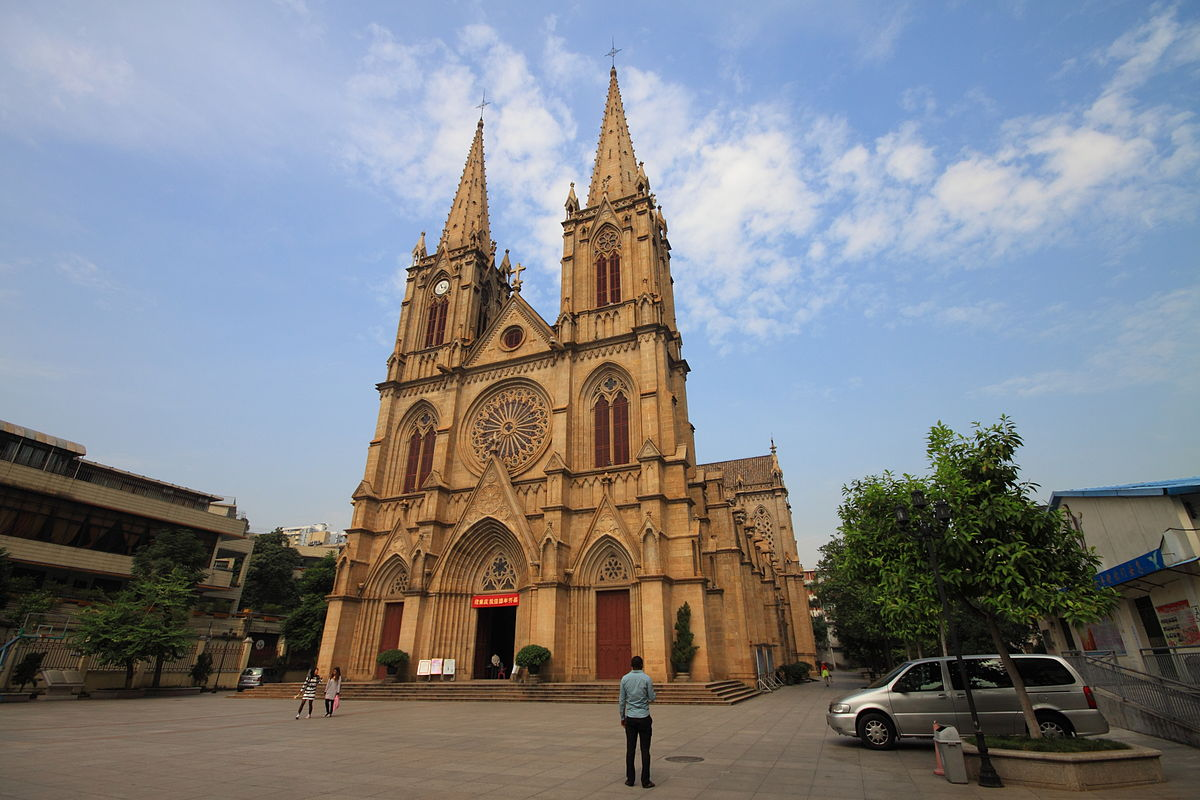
(333, 688)
(308, 692)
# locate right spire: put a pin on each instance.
(616, 169)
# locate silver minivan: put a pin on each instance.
(908, 700)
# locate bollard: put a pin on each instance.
(937, 751)
(950, 744)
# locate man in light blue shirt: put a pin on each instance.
(637, 693)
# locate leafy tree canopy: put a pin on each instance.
(170, 550)
(147, 620)
(1003, 557)
(270, 583)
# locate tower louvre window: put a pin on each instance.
(614, 278)
(608, 267)
(419, 462)
(435, 322)
(601, 281)
(611, 425)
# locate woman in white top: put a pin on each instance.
(333, 687)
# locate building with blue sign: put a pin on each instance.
(1148, 538)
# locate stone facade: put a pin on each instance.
(553, 465)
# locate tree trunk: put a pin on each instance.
(158, 668)
(1035, 731)
(129, 674)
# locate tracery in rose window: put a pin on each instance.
(400, 583)
(513, 423)
(500, 574)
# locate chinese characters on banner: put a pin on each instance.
(1178, 622)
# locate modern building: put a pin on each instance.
(538, 482)
(1148, 538)
(73, 525)
(312, 535)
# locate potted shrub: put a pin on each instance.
(395, 661)
(531, 657)
(682, 649)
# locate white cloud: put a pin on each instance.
(1152, 342)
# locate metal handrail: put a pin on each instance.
(1176, 662)
(1167, 698)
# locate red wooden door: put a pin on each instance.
(612, 634)
(389, 637)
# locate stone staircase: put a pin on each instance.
(712, 693)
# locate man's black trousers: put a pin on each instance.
(635, 728)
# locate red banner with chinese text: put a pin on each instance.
(495, 600)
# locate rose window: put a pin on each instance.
(500, 575)
(606, 241)
(513, 424)
(613, 570)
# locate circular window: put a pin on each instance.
(513, 337)
(514, 423)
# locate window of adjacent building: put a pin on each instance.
(419, 463)
(610, 415)
(435, 321)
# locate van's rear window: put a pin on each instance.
(1044, 672)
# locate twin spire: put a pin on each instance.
(468, 221)
(616, 173)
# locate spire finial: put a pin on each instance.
(516, 284)
(613, 53)
(482, 105)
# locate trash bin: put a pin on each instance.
(949, 744)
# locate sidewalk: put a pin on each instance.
(212, 746)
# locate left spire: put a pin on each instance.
(467, 225)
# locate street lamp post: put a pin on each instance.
(925, 528)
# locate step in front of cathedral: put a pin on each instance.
(712, 693)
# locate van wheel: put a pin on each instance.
(1054, 726)
(876, 731)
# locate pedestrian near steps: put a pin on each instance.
(637, 693)
(333, 687)
(825, 672)
(308, 692)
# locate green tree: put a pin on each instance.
(682, 649)
(26, 670)
(170, 550)
(146, 621)
(1005, 560)
(5, 577)
(173, 551)
(304, 626)
(270, 583)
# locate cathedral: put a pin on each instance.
(537, 483)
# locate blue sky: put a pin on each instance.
(883, 215)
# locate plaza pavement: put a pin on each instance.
(216, 746)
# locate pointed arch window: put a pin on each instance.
(762, 524)
(435, 321)
(610, 423)
(608, 268)
(419, 463)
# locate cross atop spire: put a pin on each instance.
(483, 104)
(613, 53)
(616, 169)
(468, 223)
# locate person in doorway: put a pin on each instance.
(637, 693)
(308, 692)
(825, 673)
(333, 687)
(497, 667)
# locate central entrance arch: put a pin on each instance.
(495, 634)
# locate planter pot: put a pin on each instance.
(683, 677)
(1079, 772)
(17, 697)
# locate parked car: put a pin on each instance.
(257, 676)
(909, 699)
